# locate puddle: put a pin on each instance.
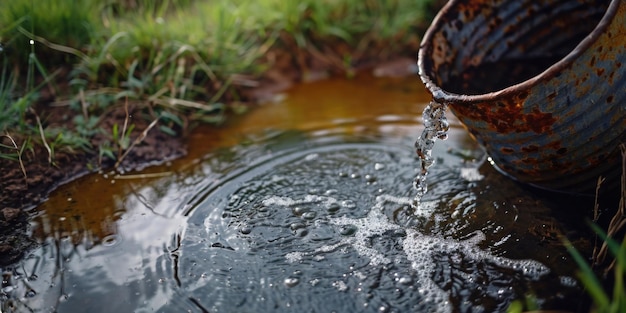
(302, 205)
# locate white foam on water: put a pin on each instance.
(568, 281)
(375, 223)
(340, 285)
(311, 157)
(359, 275)
(293, 257)
(419, 248)
(287, 201)
(280, 201)
(471, 174)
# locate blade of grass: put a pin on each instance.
(587, 276)
(54, 46)
(614, 247)
(43, 136)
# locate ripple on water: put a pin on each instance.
(318, 238)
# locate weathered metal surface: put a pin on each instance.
(540, 84)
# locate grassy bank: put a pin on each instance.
(179, 62)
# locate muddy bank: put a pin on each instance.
(22, 189)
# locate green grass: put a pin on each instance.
(180, 59)
(67, 23)
(605, 300)
(605, 287)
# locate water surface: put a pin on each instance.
(302, 205)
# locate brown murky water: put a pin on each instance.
(302, 205)
(96, 201)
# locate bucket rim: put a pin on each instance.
(441, 95)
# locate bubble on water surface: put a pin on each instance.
(370, 178)
(405, 280)
(311, 157)
(245, 230)
(291, 282)
(348, 230)
(110, 240)
(348, 204)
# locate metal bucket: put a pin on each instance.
(540, 84)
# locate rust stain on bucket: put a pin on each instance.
(508, 118)
(540, 84)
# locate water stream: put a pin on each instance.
(304, 205)
(436, 126)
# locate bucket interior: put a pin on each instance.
(478, 47)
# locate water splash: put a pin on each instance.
(422, 251)
(436, 126)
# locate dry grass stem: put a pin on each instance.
(171, 102)
(43, 136)
(618, 222)
(143, 176)
(139, 139)
(596, 205)
(19, 154)
(126, 118)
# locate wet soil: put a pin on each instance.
(21, 190)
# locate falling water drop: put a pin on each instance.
(435, 127)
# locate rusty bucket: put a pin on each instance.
(540, 84)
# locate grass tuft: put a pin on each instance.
(182, 61)
(613, 298)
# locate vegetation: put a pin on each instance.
(176, 61)
(181, 62)
(605, 285)
(613, 298)
(611, 301)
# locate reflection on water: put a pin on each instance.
(302, 205)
